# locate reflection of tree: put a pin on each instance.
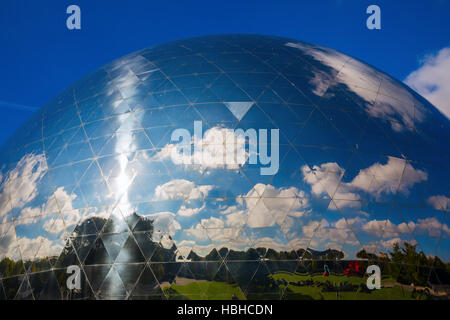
(335, 255)
(407, 266)
(93, 245)
(9, 268)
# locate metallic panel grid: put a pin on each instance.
(363, 178)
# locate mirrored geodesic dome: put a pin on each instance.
(228, 167)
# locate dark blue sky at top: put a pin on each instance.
(39, 56)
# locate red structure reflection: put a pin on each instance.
(354, 268)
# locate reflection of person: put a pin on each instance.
(326, 272)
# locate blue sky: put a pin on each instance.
(40, 56)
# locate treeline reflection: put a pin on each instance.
(118, 263)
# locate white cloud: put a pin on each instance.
(164, 228)
(235, 216)
(166, 241)
(334, 246)
(432, 227)
(222, 148)
(383, 245)
(164, 225)
(385, 178)
(38, 247)
(386, 229)
(396, 174)
(383, 96)
(265, 205)
(60, 200)
(20, 184)
(317, 234)
(324, 180)
(28, 212)
(54, 226)
(278, 245)
(180, 189)
(432, 80)
(439, 202)
(188, 211)
(343, 231)
(215, 230)
(336, 232)
(7, 241)
(183, 252)
(202, 250)
(389, 244)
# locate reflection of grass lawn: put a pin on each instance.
(305, 292)
(224, 291)
(295, 277)
(206, 290)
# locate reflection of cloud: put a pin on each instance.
(395, 175)
(164, 227)
(385, 178)
(432, 80)
(372, 247)
(432, 227)
(386, 229)
(439, 202)
(59, 201)
(182, 253)
(59, 198)
(19, 184)
(7, 240)
(215, 226)
(54, 226)
(278, 245)
(187, 211)
(337, 232)
(201, 250)
(343, 230)
(324, 180)
(38, 247)
(215, 230)
(389, 244)
(222, 148)
(265, 206)
(322, 83)
(383, 96)
(180, 189)
(334, 246)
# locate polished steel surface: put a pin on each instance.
(90, 179)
